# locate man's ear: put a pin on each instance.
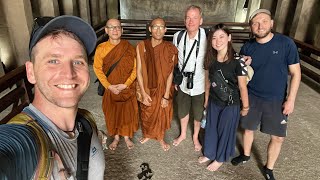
(30, 72)
(201, 21)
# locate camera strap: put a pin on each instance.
(185, 63)
(184, 50)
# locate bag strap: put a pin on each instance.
(85, 129)
(116, 63)
(45, 162)
(180, 36)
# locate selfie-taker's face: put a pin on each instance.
(60, 71)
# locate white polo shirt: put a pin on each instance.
(199, 76)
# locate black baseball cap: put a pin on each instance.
(44, 25)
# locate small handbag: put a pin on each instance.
(177, 75)
(222, 88)
(101, 88)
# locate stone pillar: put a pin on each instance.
(70, 7)
(49, 8)
(18, 15)
(302, 19)
(112, 9)
(253, 5)
(281, 15)
(241, 12)
(84, 8)
(95, 15)
(103, 10)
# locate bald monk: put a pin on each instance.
(119, 102)
(155, 62)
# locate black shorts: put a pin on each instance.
(266, 113)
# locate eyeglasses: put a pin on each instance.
(156, 27)
(112, 28)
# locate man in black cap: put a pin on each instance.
(58, 68)
(274, 56)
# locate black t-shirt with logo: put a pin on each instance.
(227, 92)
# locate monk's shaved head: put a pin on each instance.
(113, 22)
(158, 21)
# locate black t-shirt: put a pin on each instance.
(228, 72)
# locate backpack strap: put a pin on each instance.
(180, 36)
(45, 160)
(86, 127)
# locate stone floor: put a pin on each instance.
(298, 160)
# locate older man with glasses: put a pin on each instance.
(115, 66)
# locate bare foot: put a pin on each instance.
(197, 145)
(214, 166)
(165, 146)
(114, 144)
(144, 140)
(129, 143)
(177, 141)
(203, 159)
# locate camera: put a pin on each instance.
(189, 76)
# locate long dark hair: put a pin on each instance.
(211, 54)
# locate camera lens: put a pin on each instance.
(189, 80)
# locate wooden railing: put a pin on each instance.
(139, 30)
(307, 53)
(16, 92)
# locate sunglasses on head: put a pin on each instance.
(39, 22)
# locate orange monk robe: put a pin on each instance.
(155, 120)
(121, 111)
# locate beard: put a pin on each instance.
(261, 36)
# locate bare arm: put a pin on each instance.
(295, 73)
(207, 88)
(242, 83)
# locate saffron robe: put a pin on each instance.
(121, 111)
(156, 64)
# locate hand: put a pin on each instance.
(205, 104)
(164, 103)
(176, 87)
(247, 60)
(146, 99)
(288, 107)
(121, 87)
(244, 112)
(113, 89)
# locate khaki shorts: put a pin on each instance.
(187, 103)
